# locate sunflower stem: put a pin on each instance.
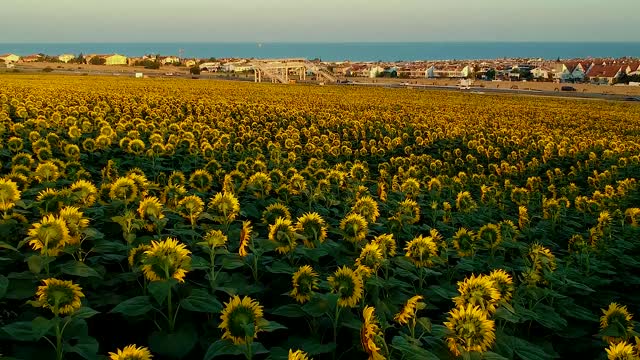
(249, 353)
(335, 330)
(59, 349)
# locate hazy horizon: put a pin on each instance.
(307, 21)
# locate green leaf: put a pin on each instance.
(281, 267)
(78, 268)
(320, 304)
(160, 289)
(85, 313)
(40, 327)
(220, 348)
(4, 285)
(201, 301)
(200, 263)
(230, 263)
(35, 264)
(488, 355)
(270, 326)
(136, 306)
(411, 351)
(21, 331)
(530, 351)
(425, 323)
(176, 345)
(290, 310)
(504, 313)
(86, 346)
(4, 245)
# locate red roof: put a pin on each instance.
(607, 71)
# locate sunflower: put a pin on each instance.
(489, 235)
(371, 336)
(470, 330)
(201, 180)
(46, 172)
(275, 211)
(367, 207)
(124, 189)
(371, 256)
(225, 207)
(508, 230)
(283, 234)
(245, 236)
(9, 194)
(541, 258)
(408, 212)
(62, 297)
(297, 355)
(621, 351)
(313, 228)
(421, 251)
(465, 202)
(503, 282)
(409, 310)
(177, 178)
(478, 291)
(49, 236)
(304, 282)
(632, 216)
(241, 319)
(150, 208)
(260, 184)
(190, 207)
(84, 193)
(172, 194)
(75, 221)
(387, 244)
(131, 352)
(354, 227)
(523, 217)
(137, 254)
(213, 239)
(382, 191)
(348, 285)
(411, 187)
(166, 259)
(618, 318)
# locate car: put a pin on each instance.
(568, 88)
(632, 98)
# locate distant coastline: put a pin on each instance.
(362, 51)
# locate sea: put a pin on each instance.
(353, 51)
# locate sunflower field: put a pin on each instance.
(182, 219)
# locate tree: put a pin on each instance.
(491, 74)
(195, 70)
(79, 59)
(96, 60)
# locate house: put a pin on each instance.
(10, 58)
(31, 58)
(542, 73)
(342, 70)
(65, 58)
(604, 74)
(374, 71)
(190, 63)
(453, 71)
(209, 66)
(632, 69)
(116, 59)
(562, 72)
(167, 60)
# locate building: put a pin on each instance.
(169, 60)
(604, 74)
(542, 73)
(116, 59)
(190, 63)
(65, 58)
(452, 71)
(10, 58)
(31, 58)
(374, 71)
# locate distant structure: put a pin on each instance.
(281, 70)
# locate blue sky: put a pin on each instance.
(318, 20)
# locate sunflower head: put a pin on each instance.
(60, 296)
(224, 207)
(137, 255)
(616, 318)
(241, 319)
(124, 189)
(371, 335)
(304, 282)
(313, 228)
(371, 256)
(131, 352)
(259, 184)
(245, 237)
(283, 234)
(190, 207)
(201, 180)
(165, 260)
(523, 217)
(541, 258)
(409, 310)
(478, 291)
(489, 236)
(422, 251)
(470, 330)
(83, 193)
(46, 172)
(213, 239)
(172, 194)
(621, 351)
(348, 285)
(354, 227)
(9, 194)
(49, 235)
(275, 211)
(367, 207)
(297, 355)
(503, 282)
(408, 212)
(75, 221)
(387, 245)
(465, 202)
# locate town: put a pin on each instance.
(591, 71)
